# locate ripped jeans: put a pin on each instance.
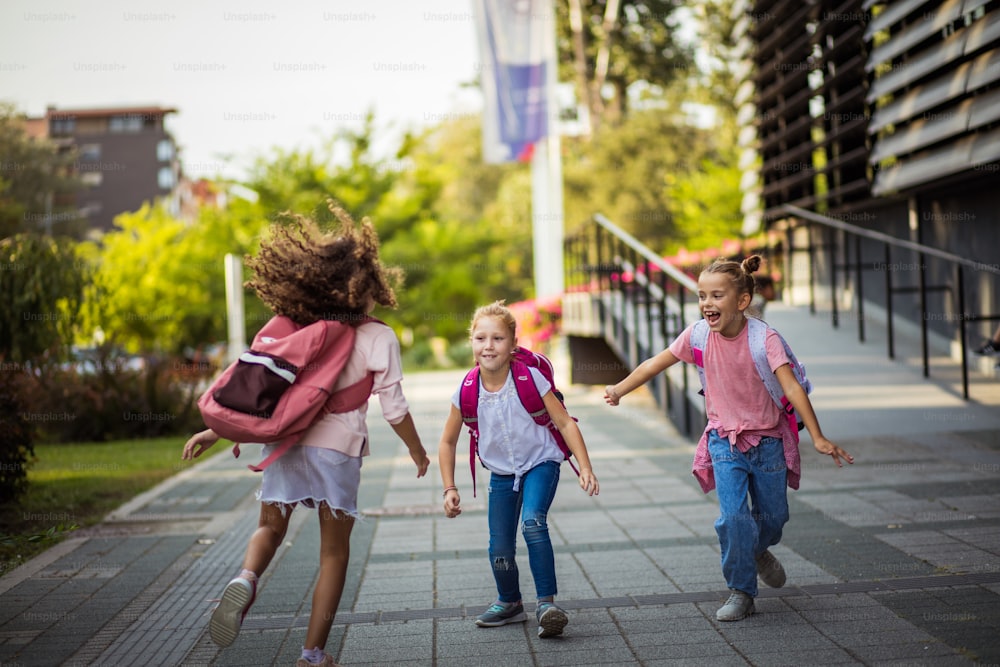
(531, 503)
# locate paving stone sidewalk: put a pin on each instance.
(893, 561)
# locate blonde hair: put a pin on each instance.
(739, 273)
(498, 310)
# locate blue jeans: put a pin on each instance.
(531, 502)
(745, 533)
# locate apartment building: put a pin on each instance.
(126, 157)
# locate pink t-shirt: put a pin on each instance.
(376, 350)
(737, 404)
(735, 398)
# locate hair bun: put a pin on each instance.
(751, 263)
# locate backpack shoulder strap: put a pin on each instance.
(757, 339)
(699, 338)
(527, 391)
(468, 402)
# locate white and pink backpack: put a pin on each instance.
(279, 387)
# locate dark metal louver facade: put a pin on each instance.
(852, 102)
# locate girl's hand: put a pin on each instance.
(199, 443)
(611, 397)
(452, 503)
(824, 446)
(588, 482)
(420, 460)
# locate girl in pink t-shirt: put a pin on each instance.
(308, 275)
(748, 452)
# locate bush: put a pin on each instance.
(16, 443)
(111, 397)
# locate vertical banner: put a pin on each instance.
(516, 45)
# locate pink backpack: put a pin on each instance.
(526, 391)
(279, 387)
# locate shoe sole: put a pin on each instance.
(519, 618)
(552, 623)
(228, 616)
(773, 576)
(750, 612)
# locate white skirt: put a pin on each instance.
(310, 476)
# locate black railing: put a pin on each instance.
(642, 303)
(939, 276)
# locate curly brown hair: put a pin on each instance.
(308, 275)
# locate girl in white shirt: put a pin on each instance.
(524, 461)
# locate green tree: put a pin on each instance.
(159, 282)
(612, 44)
(706, 205)
(622, 173)
(36, 181)
(42, 282)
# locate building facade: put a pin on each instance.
(125, 158)
(885, 115)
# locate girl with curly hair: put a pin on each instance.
(309, 275)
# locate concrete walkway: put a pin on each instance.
(895, 560)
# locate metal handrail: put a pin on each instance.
(603, 258)
(922, 288)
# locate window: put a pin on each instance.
(165, 150)
(92, 179)
(61, 126)
(90, 152)
(127, 123)
(165, 178)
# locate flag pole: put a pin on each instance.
(547, 180)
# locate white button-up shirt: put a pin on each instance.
(510, 442)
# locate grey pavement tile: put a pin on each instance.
(570, 657)
(923, 652)
(792, 657)
(707, 653)
(683, 610)
(485, 660)
(671, 636)
(716, 661)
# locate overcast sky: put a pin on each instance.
(244, 76)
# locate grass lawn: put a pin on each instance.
(71, 486)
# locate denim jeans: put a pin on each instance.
(745, 532)
(531, 502)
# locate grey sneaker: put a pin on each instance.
(770, 571)
(501, 614)
(737, 607)
(551, 620)
(228, 617)
(989, 347)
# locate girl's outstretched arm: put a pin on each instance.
(446, 460)
(797, 396)
(642, 374)
(407, 432)
(574, 440)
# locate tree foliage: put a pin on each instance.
(159, 282)
(612, 44)
(36, 180)
(42, 280)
